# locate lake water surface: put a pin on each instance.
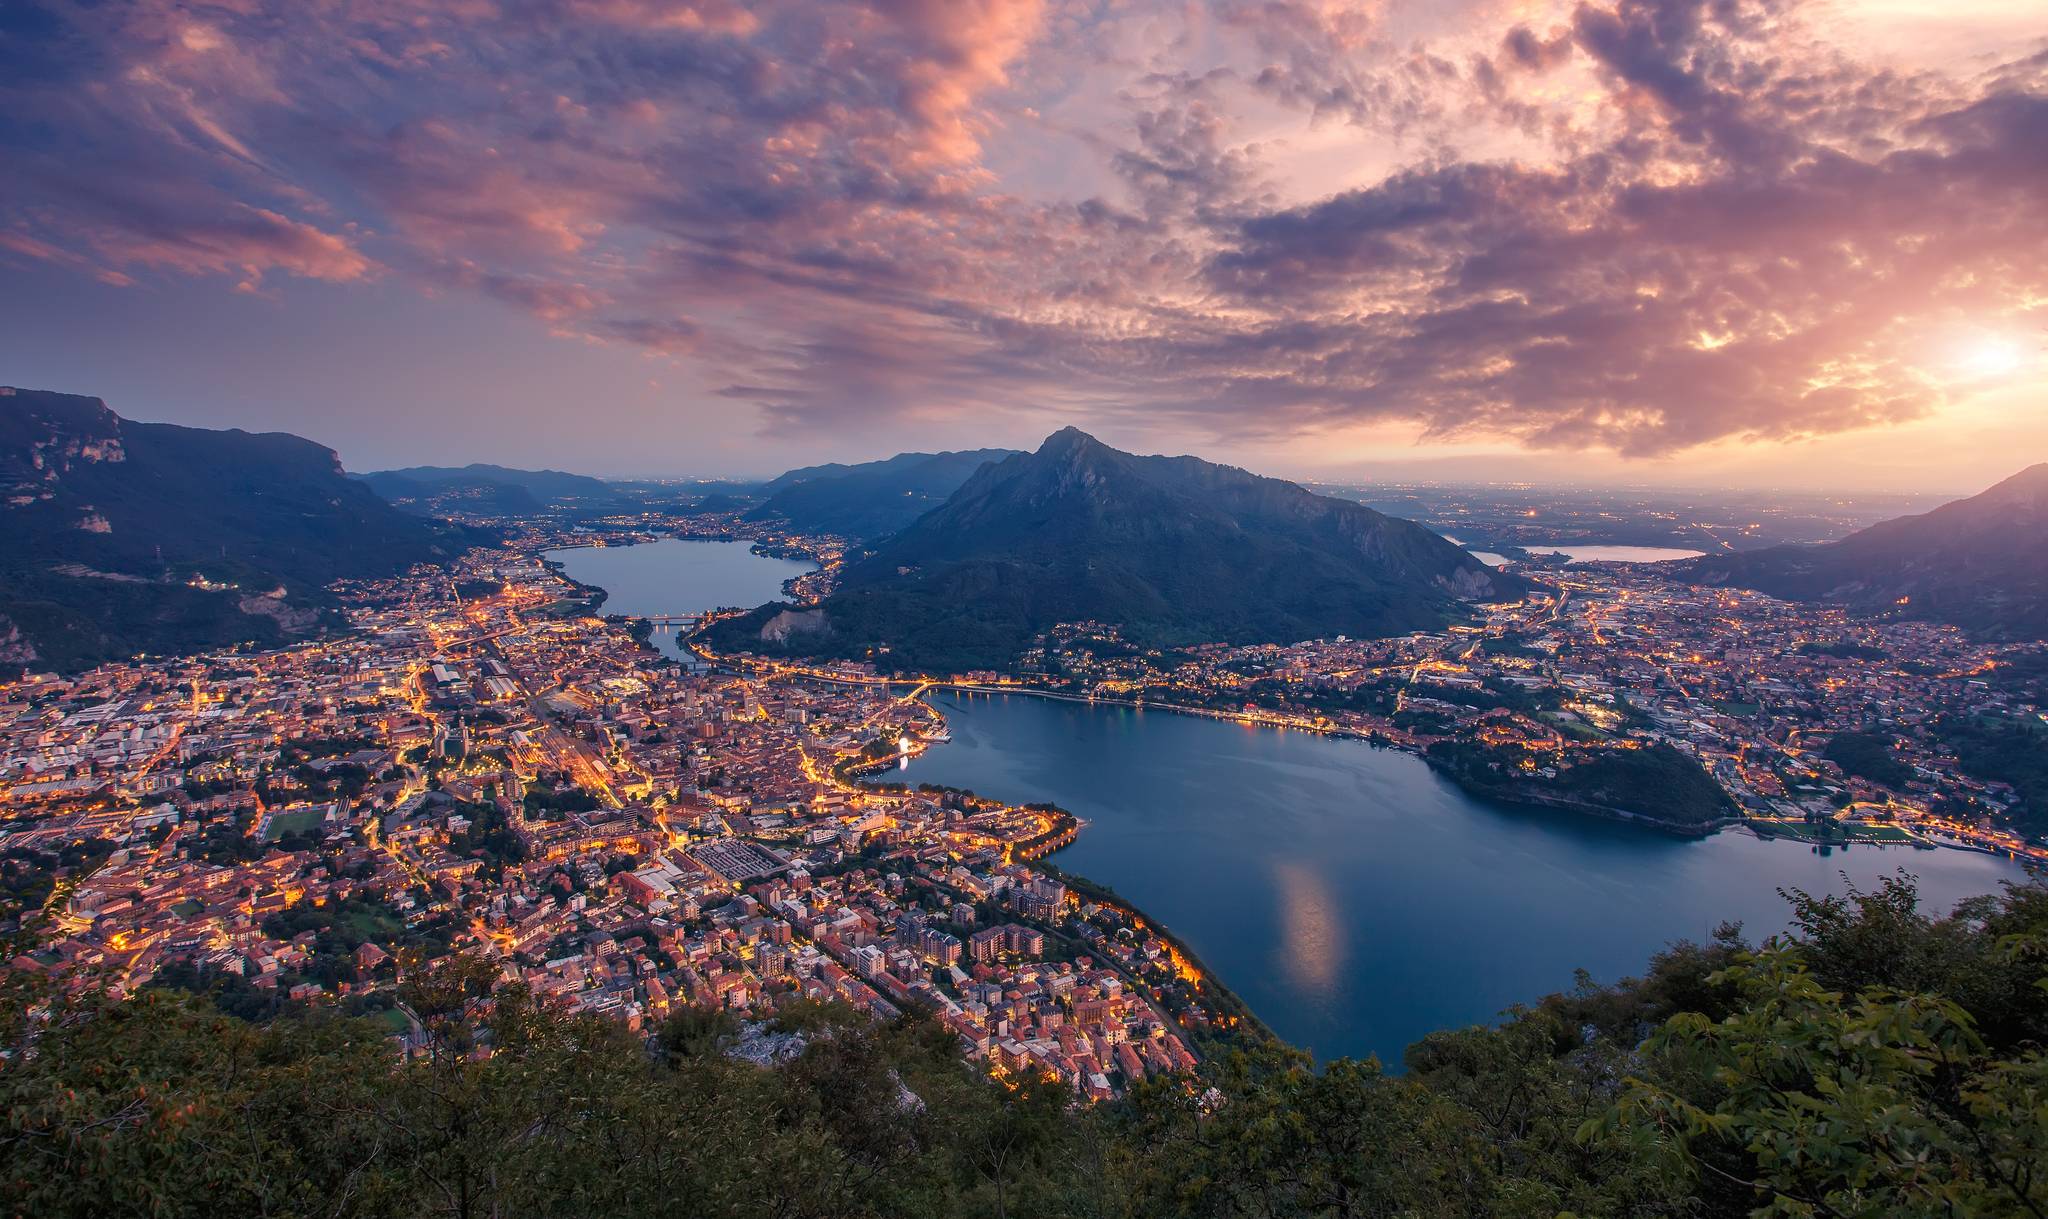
(1354, 898)
(1612, 554)
(677, 576)
(1587, 553)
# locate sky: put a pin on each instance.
(1689, 243)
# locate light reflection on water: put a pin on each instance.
(1354, 899)
(1312, 951)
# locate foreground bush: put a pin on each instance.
(1878, 1062)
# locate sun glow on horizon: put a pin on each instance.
(1991, 356)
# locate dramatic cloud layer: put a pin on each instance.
(1641, 226)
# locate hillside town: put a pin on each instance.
(483, 766)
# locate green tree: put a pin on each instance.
(1877, 1103)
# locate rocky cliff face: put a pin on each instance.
(44, 436)
(118, 536)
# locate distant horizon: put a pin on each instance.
(1311, 482)
(1391, 475)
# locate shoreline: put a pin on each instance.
(1045, 863)
(1373, 739)
(1231, 1016)
(1036, 854)
(1376, 741)
(755, 547)
(1757, 829)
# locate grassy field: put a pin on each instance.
(298, 821)
(372, 924)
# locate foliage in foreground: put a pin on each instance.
(1877, 1062)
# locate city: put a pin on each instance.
(484, 772)
(483, 765)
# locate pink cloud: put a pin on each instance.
(1643, 225)
(250, 241)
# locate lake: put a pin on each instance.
(1612, 554)
(1585, 553)
(1351, 896)
(677, 576)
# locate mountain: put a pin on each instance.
(871, 499)
(444, 498)
(1980, 563)
(118, 536)
(489, 490)
(804, 474)
(1174, 550)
